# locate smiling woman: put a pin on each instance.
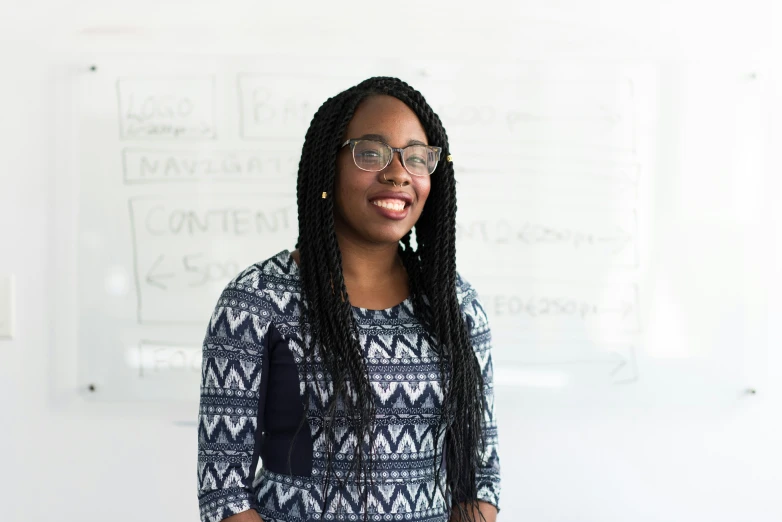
(378, 198)
(357, 368)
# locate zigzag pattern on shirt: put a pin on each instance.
(408, 394)
(397, 345)
(397, 439)
(283, 497)
(404, 375)
(397, 497)
(218, 504)
(394, 394)
(236, 374)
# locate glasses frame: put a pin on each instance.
(352, 142)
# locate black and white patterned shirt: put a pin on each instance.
(253, 388)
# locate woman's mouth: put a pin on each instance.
(391, 204)
(392, 208)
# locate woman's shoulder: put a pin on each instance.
(469, 302)
(268, 288)
(278, 270)
(465, 292)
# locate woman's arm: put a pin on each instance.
(245, 516)
(485, 509)
(487, 478)
(233, 389)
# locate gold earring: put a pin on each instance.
(324, 195)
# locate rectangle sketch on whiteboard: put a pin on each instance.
(159, 358)
(564, 176)
(547, 239)
(281, 106)
(155, 368)
(175, 108)
(163, 166)
(556, 309)
(187, 248)
(538, 104)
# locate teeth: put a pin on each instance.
(392, 204)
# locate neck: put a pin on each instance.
(375, 277)
(367, 265)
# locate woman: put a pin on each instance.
(356, 368)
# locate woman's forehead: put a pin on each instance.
(385, 115)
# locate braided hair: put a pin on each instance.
(431, 268)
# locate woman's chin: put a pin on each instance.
(386, 236)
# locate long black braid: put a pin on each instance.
(431, 268)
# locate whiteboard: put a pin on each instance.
(578, 218)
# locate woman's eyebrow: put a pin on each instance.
(378, 137)
(384, 139)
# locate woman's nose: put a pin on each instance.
(395, 172)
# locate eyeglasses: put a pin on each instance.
(374, 156)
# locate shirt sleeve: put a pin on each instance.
(488, 474)
(231, 406)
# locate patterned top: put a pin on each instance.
(253, 390)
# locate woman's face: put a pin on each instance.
(369, 208)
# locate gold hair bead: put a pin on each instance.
(324, 195)
(449, 158)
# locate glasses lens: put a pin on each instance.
(371, 155)
(420, 160)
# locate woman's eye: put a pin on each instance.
(369, 154)
(417, 159)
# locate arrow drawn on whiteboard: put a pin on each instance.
(622, 238)
(152, 279)
(631, 374)
(621, 364)
(578, 356)
(623, 369)
(624, 310)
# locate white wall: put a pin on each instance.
(66, 459)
